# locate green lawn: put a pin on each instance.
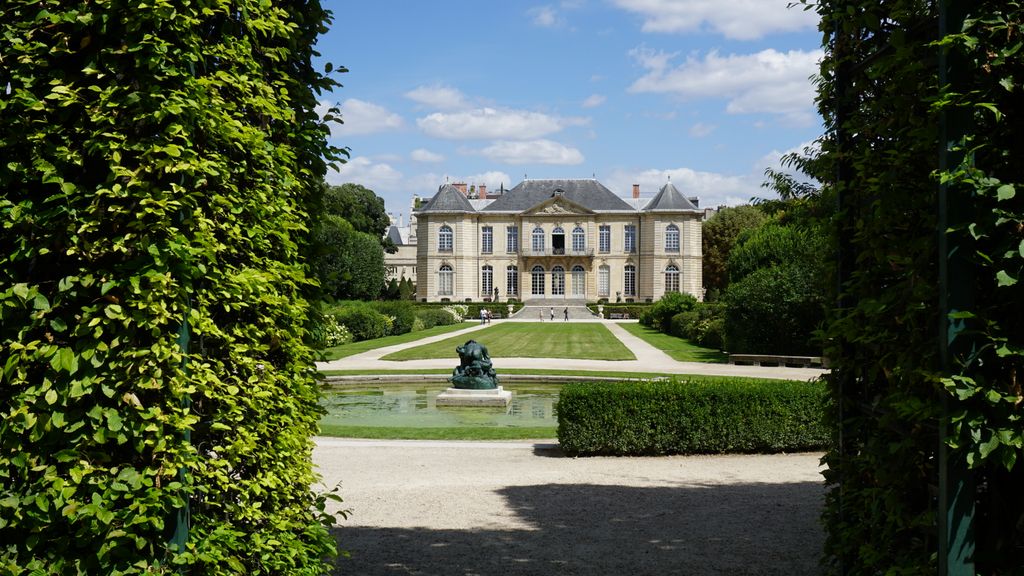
(353, 348)
(679, 349)
(460, 433)
(587, 341)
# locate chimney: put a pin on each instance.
(482, 189)
(636, 190)
(461, 187)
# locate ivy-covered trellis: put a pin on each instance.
(159, 163)
(924, 109)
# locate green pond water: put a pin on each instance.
(413, 406)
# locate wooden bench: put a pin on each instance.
(778, 360)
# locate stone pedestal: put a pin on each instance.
(463, 397)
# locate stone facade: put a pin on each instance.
(570, 240)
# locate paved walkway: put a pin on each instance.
(522, 509)
(648, 358)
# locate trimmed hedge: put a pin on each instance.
(691, 417)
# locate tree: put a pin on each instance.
(160, 162)
(719, 235)
(362, 208)
(348, 263)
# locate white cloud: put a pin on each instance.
(422, 155)
(711, 188)
(490, 123)
(377, 176)
(700, 130)
(361, 117)
(439, 97)
(764, 82)
(594, 100)
(544, 16)
(735, 19)
(533, 152)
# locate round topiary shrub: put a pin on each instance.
(364, 323)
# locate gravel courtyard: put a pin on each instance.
(518, 508)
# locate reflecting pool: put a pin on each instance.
(413, 406)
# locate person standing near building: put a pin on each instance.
(552, 311)
(566, 312)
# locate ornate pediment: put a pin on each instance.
(557, 206)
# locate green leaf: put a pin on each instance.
(21, 291)
(1005, 192)
(51, 396)
(1004, 279)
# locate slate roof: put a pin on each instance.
(588, 193)
(668, 198)
(447, 199)
(396, 235)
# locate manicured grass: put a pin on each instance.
(353, 348)
(461, 433)
(587, 341)
(679, 349)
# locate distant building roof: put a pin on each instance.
(588, 193)
(448, 199)
(668, 198)
(398, 236)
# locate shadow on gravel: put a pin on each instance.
(598, 530)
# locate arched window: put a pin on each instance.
(558, 281)
(445, 239)
(537, 280)
(558, 240)
(672, 238)
(671, 278)
(487, 281)
(512, 280)
(629, 280)
(445, 280)
(579, 281)
(604, 275)
(579, 241)
(537, 244)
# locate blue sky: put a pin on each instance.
(705, 92)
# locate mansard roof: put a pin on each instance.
(669, 199)
(448, 199)
(588, 193)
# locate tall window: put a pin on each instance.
(558, 240)
(486, 281)
(672, 238)
(445, 280)
(579, 240)
(604, 275)
(538, 240)
(445, 239)
(629, 242)
(558, 281)
(579, 281)
(511, 239)
(604, 238)
(512, 280)
(671, 278)
(537, 280)
(487, 239)
(629, 280)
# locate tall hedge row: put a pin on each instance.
(894, 91)
(159, 164)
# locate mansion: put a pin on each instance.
(545, 240)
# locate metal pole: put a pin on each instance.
(956, 487)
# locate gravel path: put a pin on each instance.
(519, 508)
